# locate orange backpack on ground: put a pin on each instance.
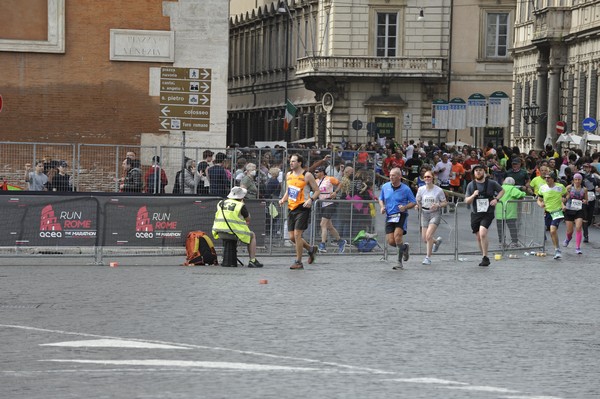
(199, 250)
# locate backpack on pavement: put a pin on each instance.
(365, 242)
(199, 250)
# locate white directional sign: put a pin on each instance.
(439, 114)
(476, 110)
(185, 98)
(457, 114)
(499, 105)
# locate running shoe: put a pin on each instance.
(312, 254)
(586, 239)
(254, 264)
(426, 261)
(406, 253)
(322, 248)
(297, 266)
(342, 246)
(566, 242)
(578, 251)
(485, 261)
(557, 254)
(398, 266)
(437, 243)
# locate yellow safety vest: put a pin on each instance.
(231, 211)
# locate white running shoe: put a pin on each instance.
(557, 254)
(426, 261)
(437, 243)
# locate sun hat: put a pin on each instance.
(237, 193)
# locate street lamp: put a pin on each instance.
(421, 16)
(531, 114)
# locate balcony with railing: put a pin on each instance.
(356, 67)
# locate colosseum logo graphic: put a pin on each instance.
(155, 225)
(49, 226)
(68, 224)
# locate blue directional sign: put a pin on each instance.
(589, 124)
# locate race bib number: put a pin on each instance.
(395, 218)
(557, 215)
(576, 204)
(591, 196)
(293, 193)
(483, 205)
(453, 176)
(415, 169)
(428, 202)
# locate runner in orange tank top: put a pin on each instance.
(299, 209)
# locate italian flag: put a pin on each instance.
(290, 113)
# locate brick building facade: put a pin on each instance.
(66, 88)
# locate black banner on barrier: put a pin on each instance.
(152, 221)
(48, 220)
(155, 221)
(164, 221)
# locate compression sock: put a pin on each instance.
(578, 237)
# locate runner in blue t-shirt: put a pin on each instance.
(395, 200)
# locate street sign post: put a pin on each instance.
(185, 99)
(589, 124)
(407, 123)
(0, 103)
(357, 125)
(561, 127)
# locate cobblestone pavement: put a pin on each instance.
(346, 327)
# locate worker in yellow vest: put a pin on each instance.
(233, 218)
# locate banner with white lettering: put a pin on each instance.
(44, 220)
(119, 220)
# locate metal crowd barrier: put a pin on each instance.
(99, 167)
(78, 224)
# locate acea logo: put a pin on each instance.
(155, 225)
(69, 224)
(49, 226)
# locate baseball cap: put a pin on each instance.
(320, 169)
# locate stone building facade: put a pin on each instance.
(557, 59)
(383, 61)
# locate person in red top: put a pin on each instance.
(469, 163)
(393, 161)
(156, 178)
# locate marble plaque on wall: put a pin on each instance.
(142, 45)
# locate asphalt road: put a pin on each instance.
(346, 327)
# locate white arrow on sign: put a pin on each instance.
(205, 87)
(165, 111)
(205, 100)
(205, 73)
(165, 123)
(589, 125)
